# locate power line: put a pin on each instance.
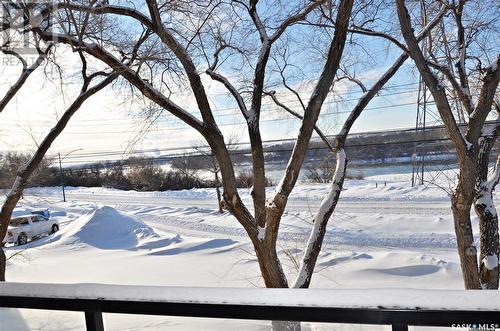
(82, 156)
(185, 127)
(281, 119)
(42, 122)
(269, 141)
(247, 152)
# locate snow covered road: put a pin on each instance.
(356, 222)
(369, 205)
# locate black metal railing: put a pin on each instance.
(399, 319)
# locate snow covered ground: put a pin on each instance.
(384, 234)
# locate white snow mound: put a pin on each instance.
(106, 228)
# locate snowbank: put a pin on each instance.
(106, 228)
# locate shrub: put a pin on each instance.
(44, 175)
(245, 179)
(323, 172)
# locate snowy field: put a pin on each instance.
(384, 234)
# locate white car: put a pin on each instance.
(23, 228)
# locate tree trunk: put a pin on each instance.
(488, 226)
(320, 221)
(217, 189)
(461, 204)
(6, 213)
(3, 262)
(270, 265)
(487, 214)
(219, 199)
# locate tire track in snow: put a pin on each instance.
(365, 206)
(333, 236)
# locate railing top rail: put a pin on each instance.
(393, 299)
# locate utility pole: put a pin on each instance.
(418, 161)
(418, 158)
(421, 159)
(61, 174)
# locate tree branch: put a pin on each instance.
(486, 99)
(462, 50)
(312, 111)
(368, 32)
(465, 99)
(300, 16)
(272, 94)
(25, 73)
(223, 80)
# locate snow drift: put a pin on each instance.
(106, 228)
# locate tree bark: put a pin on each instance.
(461, 203)
(320, 222)
(487, 214)
(488, 226)
(217, 190)
(269, 263)
(3, 264)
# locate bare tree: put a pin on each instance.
(27, 169)
(88, 89)
(164, 46)
(187, 166)
(174, 48)
(263, 225)
(469, 145)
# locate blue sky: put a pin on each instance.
(111, 122)
(107, 123)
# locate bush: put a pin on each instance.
(245, 179)
(44, 175)
(323, 172)
(139, 175)
(355, 174)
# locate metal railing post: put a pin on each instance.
(93, 321)
(399, 327)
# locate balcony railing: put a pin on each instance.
(396, 307)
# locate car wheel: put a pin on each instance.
(55, 228)
(22, 239)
